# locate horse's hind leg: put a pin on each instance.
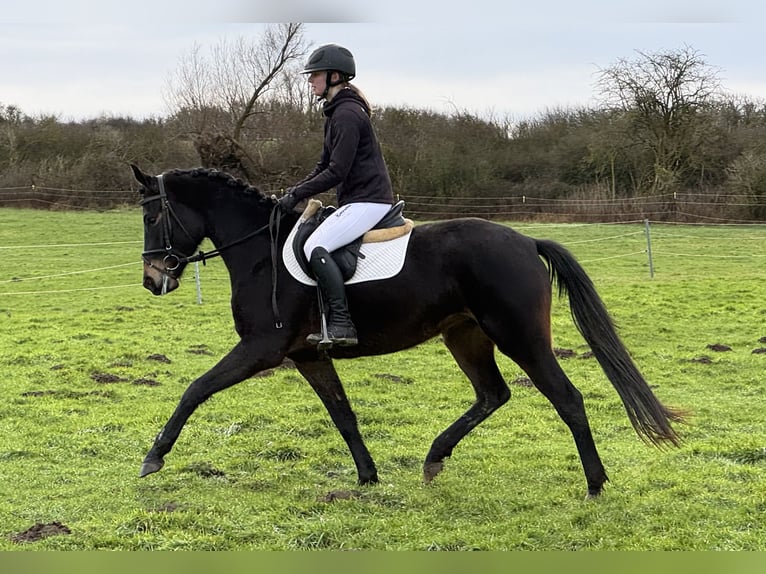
(547, 375)
(474, 353)
(323, 378)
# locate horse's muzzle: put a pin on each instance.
(158, 280)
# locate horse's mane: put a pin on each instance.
(222, 179)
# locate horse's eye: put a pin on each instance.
(151, 220)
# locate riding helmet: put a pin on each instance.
(331, 57)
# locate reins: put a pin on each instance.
(204, 256)
(273, 239)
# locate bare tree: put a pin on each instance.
(662, 94)
(215, 98)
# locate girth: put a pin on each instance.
(345, 257)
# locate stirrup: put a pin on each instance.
(325, 342)
(321, 339)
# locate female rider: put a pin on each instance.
(353, 164)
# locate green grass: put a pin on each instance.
(93, 366)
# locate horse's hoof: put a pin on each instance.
(150, 468)
(431, 469)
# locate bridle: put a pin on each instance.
(174, 259)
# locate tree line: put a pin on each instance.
(663, 125)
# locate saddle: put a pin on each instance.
(393, 225)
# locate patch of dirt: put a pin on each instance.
(159, 358)
(204, 469)
(57, 367)
(522, 382)
(123, 308)
(762, 340)
(266, 373)
(587, 355)
(40, 531)
(147, 382)
(199, 351)
(334, 495)
(718, 347)
(167, 507)
(759, 351)
(393, 378)
(106, 378)
(564, 353)
(704, 359)
(37, 393)
(66, 394)
(286, 364)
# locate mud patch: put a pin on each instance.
(394, 378)
(159, 358)
(107, 378)
(37, 393)
(40, 531)
(146, 382)
(759, 351)
(167, 507)
(719, 348)
(67, 394)
(564, 353)
(747, 456)
(204, 469)
(704, 360)
(286, 364)
(522, 382)
(334, 495)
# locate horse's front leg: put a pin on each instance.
(321, 375)
(241, 362)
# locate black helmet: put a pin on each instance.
(331, 57)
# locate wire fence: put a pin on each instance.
(671, 207)
(683, 207)
(631, 216)
(638, 243)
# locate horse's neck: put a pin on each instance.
(227, 227)
(233, 221)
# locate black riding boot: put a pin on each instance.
(340, 329)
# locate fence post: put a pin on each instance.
(649, 248)
(196, 279)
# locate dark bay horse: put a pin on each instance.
(478, 284)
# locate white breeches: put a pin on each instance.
(344, 225)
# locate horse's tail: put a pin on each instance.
(649, 417)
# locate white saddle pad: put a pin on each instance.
(381, 260)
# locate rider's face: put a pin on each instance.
(318, 81)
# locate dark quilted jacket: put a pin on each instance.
(351, 161)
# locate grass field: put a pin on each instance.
(93, 366)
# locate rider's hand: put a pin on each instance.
(288, 201)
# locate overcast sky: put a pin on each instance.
(81, 59)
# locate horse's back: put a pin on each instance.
(493, 268)
(475, 245)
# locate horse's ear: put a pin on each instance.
(142, 178)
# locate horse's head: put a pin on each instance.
(172, 231)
